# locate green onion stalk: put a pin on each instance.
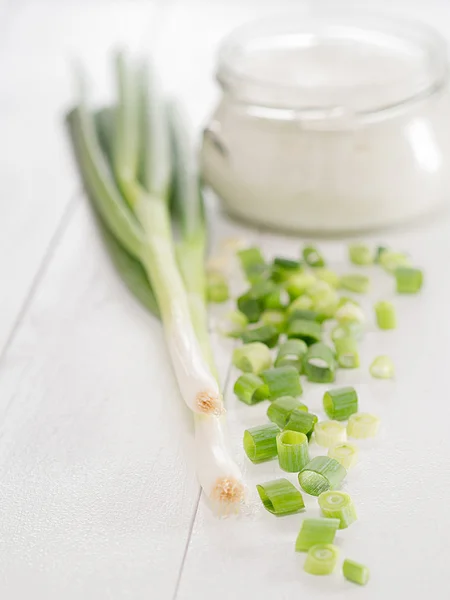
(125, 159)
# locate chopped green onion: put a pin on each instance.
(275, 300)
(348, 329)
(283, 268)
(362, 426)
(390, 260)
(338, 505)
(349, 313)
(293, 452)
(302, 421)
(217, 288)
(378, 252)
(250, 306)
(382, 368)
(360, 254)
(280, 497)
(301, 303)
(251, 258)
(260, 443)
(318, 364)
(252, 358)
(340, 403)
(355, 282)
(304, 314)
(298, 284)
(291, 353)
(328, 276)
(316, 531)
(321, 559)
(234, 324)
(282, 381)
(345, 453)
(250, 389)
(355, 572)
(266, 334)
(385, 314)
(280, 410)
(312, 257)
(276, 318)
(330, 433)
(347, 352)
(308, 331)
(409, 280)
(326, 307)
(320, 475)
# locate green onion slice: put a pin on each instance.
(249, 258)
(252, 358)
(355, 282)
(250, 389)
(338, 505)
(308, 331)
(276, 300)
(363, 425)
(360, 254)
(291, 353)
(250, 306)
(355, 572)
(350, 312)
(217, 288)
(329, 433)
(340, 403)
(409, 280)
(282, 381)
(266, 334)
(347, 355)
(316, 531)
(280, 497)
(283, 268)
(345, 453)
(301, 303)
(321, 559)
(320, 475)
(328, 276)
(391, 260)
(260, 443)
(300, 420)
(298, 284)
(313, 257)
(281, 409)
(234, 323)
(382, 368)
(276, 318)
(385, 315)
(293, 452)
(305, 314)
(318, 364)
(348, 329)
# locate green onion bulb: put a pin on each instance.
(316, 531)
(329, 433)
(363, 425)
(260, 443)
(338, 505)
(382, 368)
(321, 559)
(345, 453)
(340, 403)
(293, 452)
(320, 475)
(280, 497)
(355, 572)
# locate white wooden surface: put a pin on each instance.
(98, 496)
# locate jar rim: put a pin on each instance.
(259, 90)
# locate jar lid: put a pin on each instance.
(338, 64)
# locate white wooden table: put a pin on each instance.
(98, 495)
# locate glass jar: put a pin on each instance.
(336, 123)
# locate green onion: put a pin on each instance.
(348, 329)
(301, 303)
(363, 425)
(345, 453)
(328, 276)
(260, 443)
(320, 475)
(316, 531)
(291, 353)
(276, 299)
(340, 403)
(360, 254)
(329, 433)
(409, 280)
(321, 559)
(378, 252)
(355, 572)
(304, 314)
(390, 260)
(338, 505)
(250, 389)
(318, 364)
(298, 284)
(312, 257)
(217, 288)
(382, 368)
(385, 314)
(302, 421)
(251, 260)
(280, 410)
(252, 358)
(308, 331)
(234, 324)
(355, 282)
(250, 306)
(277, 318)
(347, 352)
(283, 268)
(266, 334)
(280, 497)
(282, 381)
(326, 307)
(293, 452)
(350, 313)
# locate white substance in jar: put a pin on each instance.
(335, 127)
